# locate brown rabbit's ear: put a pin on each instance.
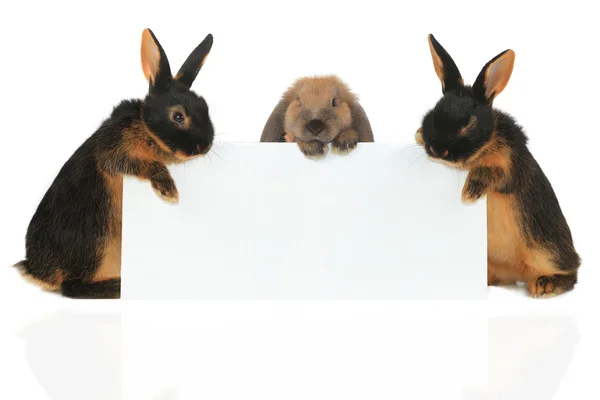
(190, 68)
(154, 62)
(444, 65)
(274, 130)
(360, 123)
(494, 77)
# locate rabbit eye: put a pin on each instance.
(178, 117)
(335, 102)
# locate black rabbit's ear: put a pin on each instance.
(494, 76)
(190, 68)
(444, 65)
(154, 62)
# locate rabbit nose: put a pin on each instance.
(438, 153)
(315, 126)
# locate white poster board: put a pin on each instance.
(260, 221)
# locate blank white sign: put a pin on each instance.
(260, 221)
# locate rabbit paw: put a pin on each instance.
(542, 287)
(473, 191)
(553, 285)
(166, 190)
(345, 142)
(314, 149)
(419, 137)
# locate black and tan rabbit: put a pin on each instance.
(528, 236)
(316, 111)
(73, 243)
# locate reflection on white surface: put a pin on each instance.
(528, 357)
(185, 351)
(76, 356)
(323, 352)
(169, 394)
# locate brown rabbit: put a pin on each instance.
(316, 111)
(529, 239)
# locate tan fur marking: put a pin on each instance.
(540, 261)
(500, 276)
(509, 258)
(162, 146)
(110, 266)
(438, 65)
(111, 263)
(465, 129)
(503, 233)
(49, 286)
(150, 56)
(138, 148)
(492, 154)
(178, 76)
(143, 128)
(419, 137)
(204, 60)
(187, 121)
(135, 144)
(499, 158)
(498, 74)
(181, 156)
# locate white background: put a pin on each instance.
(64, 65)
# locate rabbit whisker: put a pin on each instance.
(217, 154)
(419, 157)
(412, 147)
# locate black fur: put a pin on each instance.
(453, 112)
(189, 141)
(108, 289)
(79, 217)
(73, 218)
(541, 220)
(190, 68)
(165, 92)
(452, 78)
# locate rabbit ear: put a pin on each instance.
(274, 129)
(494, 77)
(444, 65)
(360, 123)
(154, 62)
(190, 68)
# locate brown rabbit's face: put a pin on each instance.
(318, 110)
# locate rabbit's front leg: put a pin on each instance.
(314, 149)
(345, 142)
(477, 184)
(162, 183)
(154, 171)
